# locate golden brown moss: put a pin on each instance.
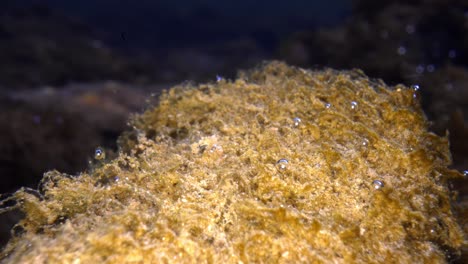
(197, 180)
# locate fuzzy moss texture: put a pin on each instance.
(197, 180)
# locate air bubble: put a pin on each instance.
(297, 121)
(430, 68)
(282, 164)
(365, 142)
(415, 88)
(420, 69)
(219, 78)
(354, 105)
(378, 184)
(327, 105)
(99, 154)
(465, 173)
(401, 50)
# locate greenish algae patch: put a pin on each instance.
(281, 165)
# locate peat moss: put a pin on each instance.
(197, 181)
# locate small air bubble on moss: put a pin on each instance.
(415, 88)
(378, 184)
(99, 154)
(282, 164)
(365, 142)
(297, 121)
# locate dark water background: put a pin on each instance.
(164, 24)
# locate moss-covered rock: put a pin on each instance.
(280, 165)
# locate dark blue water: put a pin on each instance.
(159, 24)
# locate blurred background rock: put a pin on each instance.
(71, 72)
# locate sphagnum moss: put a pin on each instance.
(197, 180)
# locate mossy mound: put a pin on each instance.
(198, 180)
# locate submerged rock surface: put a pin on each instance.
(280, 165)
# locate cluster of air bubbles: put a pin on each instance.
(99, 154)
(378, 184)
(415, 89)
(327, 105)
(421, 68)
(297, 121)
(401, 50)
(282, 164)
(354, 105)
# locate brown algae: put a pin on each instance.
(197, 180)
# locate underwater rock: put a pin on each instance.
(59, 127)
(360, 180)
